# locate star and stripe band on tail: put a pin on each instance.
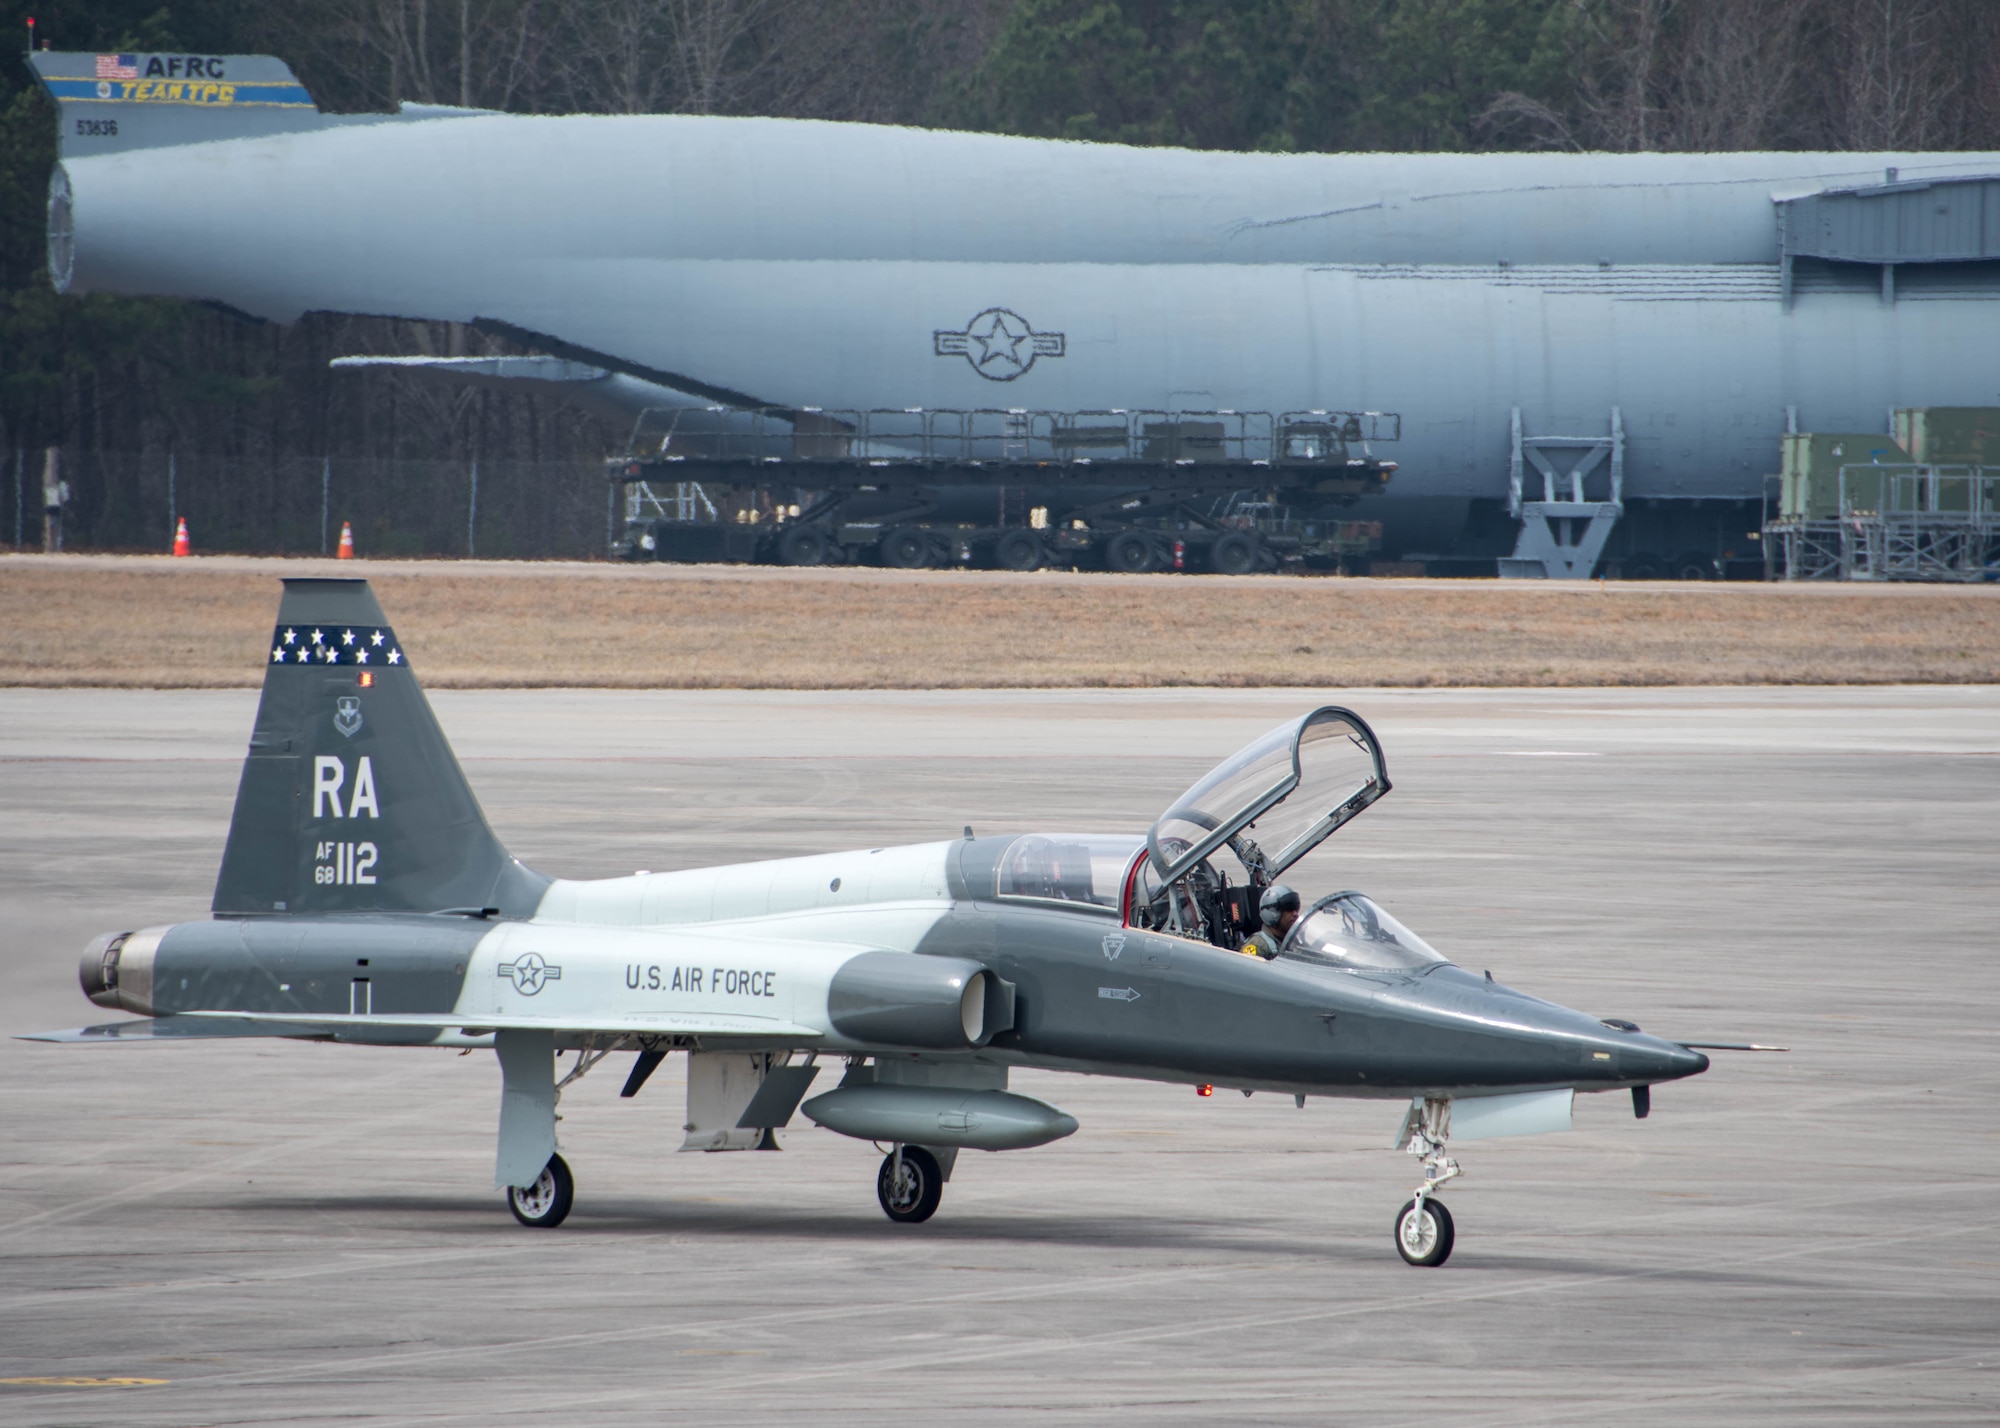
(336, 644)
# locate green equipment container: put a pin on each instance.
(1809, 487)
(1950, 436)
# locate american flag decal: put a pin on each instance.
(370, 646)
(117, 66)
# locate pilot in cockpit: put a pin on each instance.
(1278, 909)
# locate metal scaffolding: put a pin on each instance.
(1900, 522)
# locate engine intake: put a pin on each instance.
(905, 999)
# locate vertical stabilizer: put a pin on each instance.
(111, 103)
(351, 799)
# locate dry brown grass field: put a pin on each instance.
(154, 622)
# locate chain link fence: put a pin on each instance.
(132, 501)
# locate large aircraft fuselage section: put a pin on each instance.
(807, 264)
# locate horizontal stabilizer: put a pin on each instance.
(169, 1028)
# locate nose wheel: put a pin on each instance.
(544, 1204)
(909, 1185)
(1424, 1232)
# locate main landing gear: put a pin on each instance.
(544, 1204)
(1424, 1232)
(909, 1185)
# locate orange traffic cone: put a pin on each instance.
(346, 551)
(181, 546)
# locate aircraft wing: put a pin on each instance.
(616, 396)
(217, 1024)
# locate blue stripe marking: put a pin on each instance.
(193, 93)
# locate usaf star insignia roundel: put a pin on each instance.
(998, 343)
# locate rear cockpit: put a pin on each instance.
(1260, 810)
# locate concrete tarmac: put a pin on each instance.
(263, 1232)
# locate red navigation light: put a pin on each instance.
(1204, 1090)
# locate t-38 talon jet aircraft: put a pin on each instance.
(363, 898)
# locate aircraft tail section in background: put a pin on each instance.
(111, 103)
(350, 798)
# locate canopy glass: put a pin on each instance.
(1275, 800)
(1350, 931)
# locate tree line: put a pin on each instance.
(163, 407)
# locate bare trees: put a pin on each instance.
(874, 59)
(1902, 86)
(1719, 75)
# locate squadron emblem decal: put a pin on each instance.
(529, 973)
(998, 343)
(347, 715)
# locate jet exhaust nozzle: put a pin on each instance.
(116, 969)
(940, 1115)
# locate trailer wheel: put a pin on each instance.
(802, 545)
(1694, 566)
(1018, 550)
(1234, 554)
(906, 549)
(1642, 567)
(1130, 553)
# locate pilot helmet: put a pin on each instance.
(1276, 902)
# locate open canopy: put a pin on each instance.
(1275, 800)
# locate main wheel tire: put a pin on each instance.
(1234, 554)
(1694, 566)
(803, 545)
(544, 1204)
(1424, 1239)
(1018, 550)
(911, 1197)
(1130, 553)
(906, 550)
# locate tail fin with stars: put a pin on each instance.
(351, 799)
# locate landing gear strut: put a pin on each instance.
(909, 1185)
(1424, 1232)
(544, 1204)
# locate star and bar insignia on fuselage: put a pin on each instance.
(998, 343)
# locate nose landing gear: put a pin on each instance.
(1424, 1231)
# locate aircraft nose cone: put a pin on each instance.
(1657, 1060)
